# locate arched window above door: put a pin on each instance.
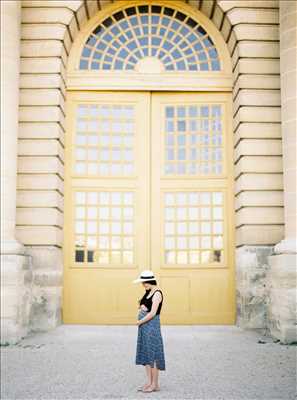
(149, 45)
(149, 38)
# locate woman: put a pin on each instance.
(150, 349)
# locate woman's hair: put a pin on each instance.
(151, 282)
(154, 282)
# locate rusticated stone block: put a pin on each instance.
(251, 292)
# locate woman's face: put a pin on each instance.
(146, 285)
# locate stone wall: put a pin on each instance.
(282, 276)
(250, 29)
(252, 290)
(282, 297)
(16, 297)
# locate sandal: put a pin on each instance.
(150, 390)
(140, 389)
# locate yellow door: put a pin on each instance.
(148, 186)
(192, 207)
(107, 205)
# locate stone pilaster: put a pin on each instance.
(16, 275)
(282, 274)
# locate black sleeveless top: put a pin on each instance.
(149, 302)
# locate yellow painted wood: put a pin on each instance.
(202, 293)
(95, 293)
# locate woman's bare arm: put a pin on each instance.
(157, 298)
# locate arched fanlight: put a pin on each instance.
(149, 37)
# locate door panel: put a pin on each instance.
(192, 242)
(107, 205)
(148, 186)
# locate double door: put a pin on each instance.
(148, 185)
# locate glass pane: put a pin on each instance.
(218, 242)
(181, 228)
(205, 257)
(193, 213)
(103, 227)
(92, 242)
(169, 199)
(217, 198)
(116, 198)
(181, 213)
(181, 198)
(115, 242)
(194, 257)
(217, 213)
(205, 212)
(79, 227)
(103, 198)
(128, 198)
(193, 242)
(127, 228)
(182, 257)
(127, 242)
(169, 257)
(116, 228)
(127, 257)
(92, 227)
(169, 243)
(116, 213)
(103, 257)
(205, 242)
(217, 256)
(205, 227)
(80, 212)
(169, 228)
(79, 256)
(193, 228)
(103, 242)
(218, 227)
(128, 212)
(169, 213)
(182, 243)
(205, 198)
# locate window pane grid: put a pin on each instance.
(104, 227)
(126, 37)
(193, 228)
(193, 140)
(104, 140)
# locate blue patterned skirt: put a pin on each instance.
(150, 343)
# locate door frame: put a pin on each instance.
(150, 234)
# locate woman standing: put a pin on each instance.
(150, 349)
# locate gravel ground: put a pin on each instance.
(98, 362)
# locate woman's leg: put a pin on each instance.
(149, 378)
(155, 377)
(149, 375)
(154, 382)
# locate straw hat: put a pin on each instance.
(145, 275)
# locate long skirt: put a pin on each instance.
(150, 346)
